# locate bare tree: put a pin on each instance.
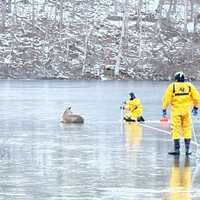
(159, 15)
(9, 6)
(192, 10)
(140, 29)
(14, 14)
(56, 11)
(175, 6)
(33, 14)
(3, 15)
(139, 11)
(185, 16)
(122, 38)
(125, 23)
(61, 16)
(115, 6)
(88, 33)
(44, 6)
(169, 10)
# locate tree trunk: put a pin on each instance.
(196, 19)
(185, 16)
(61, 15)
(15, 13)
(9, 6)
(125, 20)
(56, 11)
(160, 7)
(159, 15)
(3, 15)
(115, 7)
(174, 6)
(122, 38)
(88, 33)
(169, 10)
(192, 10)
(44, 6)
(140, 31)
(33, 15)
(139, 10)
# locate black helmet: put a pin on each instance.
(132, 95)
(179, 77)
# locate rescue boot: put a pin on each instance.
(129, 119)
(176, 151)
(140, 119)
(187, 147)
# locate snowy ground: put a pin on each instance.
(76, 40)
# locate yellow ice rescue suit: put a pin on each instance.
(133, 109)
(182, 96)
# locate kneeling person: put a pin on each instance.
(133, 109)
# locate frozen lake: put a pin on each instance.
(103, 159)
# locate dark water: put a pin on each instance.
(100, 160)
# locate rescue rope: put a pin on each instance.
(194, 142)
(168, 132)
(154, 128)
(122, 121)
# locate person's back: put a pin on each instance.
(134, 104)
(181, 96)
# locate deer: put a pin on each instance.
(69, 117)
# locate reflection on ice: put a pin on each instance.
(133, 134)
(180, 180)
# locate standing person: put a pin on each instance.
(181, 96)
(133, 109)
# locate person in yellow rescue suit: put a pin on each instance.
(133, 109)
(182, 96)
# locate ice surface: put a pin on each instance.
(102, 159)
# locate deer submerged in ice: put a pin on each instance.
(69, 117)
